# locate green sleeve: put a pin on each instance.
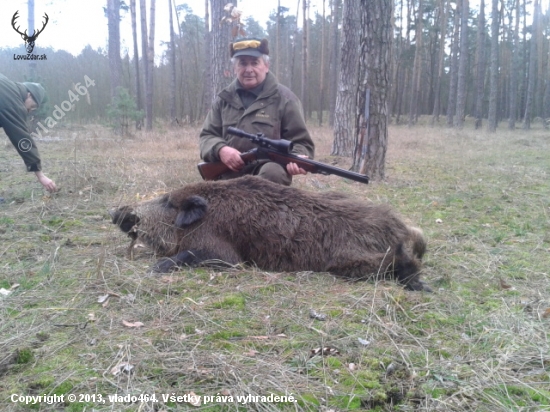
(211, 136)
(14, 121)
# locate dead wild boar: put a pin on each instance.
(277, 228)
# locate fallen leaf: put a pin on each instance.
(194, 399)
(132, 324)
(504, 285)
(317, 316)
(546, 313)
(251, 353)
(5, 292)
(103, 298)
(123, 367)
(363, 342)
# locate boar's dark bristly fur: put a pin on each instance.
(277, 228)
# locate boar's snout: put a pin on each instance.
(125, 218)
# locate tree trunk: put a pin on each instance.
(303, 89)
(32, 63)
(415, 83)
(532, 71)
(334, 55)
(144, 57)
(375, 61)
(480, 66)
(151, 67)
(222, 70)
(115, 62)
(493, 93)
(451, 103)
(462, 67)
(346, 99)
(173, 119)
(443, 15)
(513, 101)
(278, 55)
(208, 92)
(322, 74)
(136, 58)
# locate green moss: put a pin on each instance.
(24, 356)
(231, 301)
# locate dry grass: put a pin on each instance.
(480, 342)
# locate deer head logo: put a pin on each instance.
(29, 40)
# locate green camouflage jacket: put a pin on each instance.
(13, 118)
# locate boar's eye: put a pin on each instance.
(192, 210)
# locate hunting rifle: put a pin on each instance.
(277, 151)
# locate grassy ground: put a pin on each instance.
(84, 319)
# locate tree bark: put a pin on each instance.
(462, 67)
(136, 57)
(480, 66)
(443, 15)
(222, 70)
(115, 62)
(532, 71)
(493, 93)
(144, 55)
(375, 61)
(346, 99)
(415, 83)
(172, 51)
(303, 89)
(322, 74)
(513, 101)
(451, 103)
(151, 66)
(334, 56)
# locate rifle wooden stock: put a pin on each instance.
(214, 170)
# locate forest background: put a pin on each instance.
(453, 59)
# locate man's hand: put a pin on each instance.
(231, 158)
(293, 169)
(48, 183)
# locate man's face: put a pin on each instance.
(30, 104)
(250, 71)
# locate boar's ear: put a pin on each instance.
(192, 210)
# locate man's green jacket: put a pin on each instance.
(13, 118)
(276, 112)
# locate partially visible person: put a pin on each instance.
(17, 100)
(256, 103)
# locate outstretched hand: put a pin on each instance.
(48, 183)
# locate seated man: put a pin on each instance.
(256, 103)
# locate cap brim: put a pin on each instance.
(248, 52)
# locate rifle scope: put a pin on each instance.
(281, 145)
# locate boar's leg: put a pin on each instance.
(193, 258)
